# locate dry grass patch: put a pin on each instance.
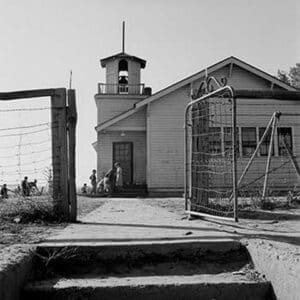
(27, 210)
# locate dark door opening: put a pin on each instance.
(123, 153)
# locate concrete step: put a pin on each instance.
(205, 255)
(219, 286)
(206, 269)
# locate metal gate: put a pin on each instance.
(210, 151)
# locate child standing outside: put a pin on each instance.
(119, 177)
(93, 180)
(4, 194)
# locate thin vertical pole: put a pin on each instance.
(123, 38)
(72, 121)
(269, 157)
(234, 160)
(190, 158)
(185, 162)
(70, 80)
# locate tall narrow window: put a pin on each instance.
(248, 140)
(284, 138)
(264, 147)
(228, 141)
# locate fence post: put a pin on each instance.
(59, 152)
(234, 162)
(72, 121)
(269, 157)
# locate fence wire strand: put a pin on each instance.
(25, 145)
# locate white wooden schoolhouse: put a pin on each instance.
(144, 131)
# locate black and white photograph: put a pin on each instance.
(150, 150)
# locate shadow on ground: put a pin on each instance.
(286, 237)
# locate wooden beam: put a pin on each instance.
(59, 152)
(274, 126)
(234, 161)
(72, 121)
(28, 94)
(267, 94)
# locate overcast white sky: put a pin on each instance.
(42, 40)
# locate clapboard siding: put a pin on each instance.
(112, 107)
(136, 120)
(258, 112)
(283, 175)
(240, 79)
(167, 140)
(166, 135)
(105, 151)
(163, 120)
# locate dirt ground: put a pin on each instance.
(272, 238)
(12, 232)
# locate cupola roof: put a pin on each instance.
(122, 55)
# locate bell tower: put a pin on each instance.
(123, 85)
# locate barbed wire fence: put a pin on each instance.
(26, 147)
(38, 142)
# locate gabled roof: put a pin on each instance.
(187, 80)
(121, 55)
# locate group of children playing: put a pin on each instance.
(112, 181)
(26, 189)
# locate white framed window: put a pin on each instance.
(264, 147)
(249, 141)
(284, 135)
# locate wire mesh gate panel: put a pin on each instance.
(37, 149)
(210, 156)
(231, 150)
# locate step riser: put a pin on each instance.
(136, 250)
(82, 260)
(221, 291)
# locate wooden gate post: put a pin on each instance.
(72, 121)
(60, 152)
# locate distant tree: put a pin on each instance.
(283, 76)
(292, 77)
(295, 76)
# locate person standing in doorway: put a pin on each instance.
(119, 177)
(93, 180)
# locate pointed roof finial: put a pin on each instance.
(123, 38)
